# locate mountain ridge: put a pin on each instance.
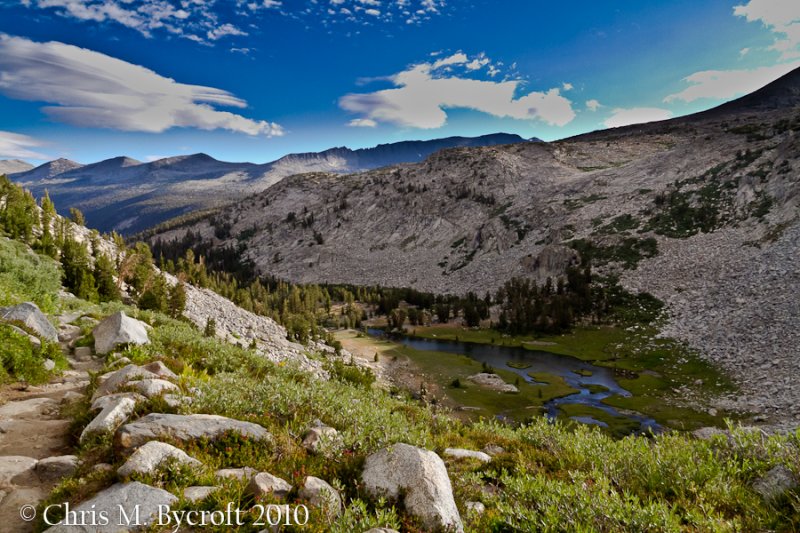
(127, 195)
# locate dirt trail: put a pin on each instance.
(32, 428)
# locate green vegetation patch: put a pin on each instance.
(628, 251)
(27, 276)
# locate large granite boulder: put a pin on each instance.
(184, 428)
(320, 494)
(31, 317)
(147, 458)
(118, 329)
(110, 383)
(120, 502)
(112, 415)
(264, 483)
(421, 476)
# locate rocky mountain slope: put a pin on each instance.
(701, 210)
(126, 195)
(10, 166)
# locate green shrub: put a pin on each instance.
(26, 276)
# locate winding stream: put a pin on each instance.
(540, 361)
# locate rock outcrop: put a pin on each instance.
(184, 428)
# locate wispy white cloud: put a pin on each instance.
(87, 88)
(781, 17)
(424, 92)
(725, 84)
(14, 145)
(637, 115)
(362, 123)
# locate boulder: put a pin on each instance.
(83, 353)
(775, 483)
(320, 494)
(118, 329)
(68, 333)
(198, 494)
(493, 382)
(242, 474)
(184, 428)
(460, 453)
(110, 417)
(71, 396)
(421, 476)
(31, 317)
(493, 449)
(148, 457)
(160, 369)
(381, 530)
(127, 497)
(176, 400)
(119, 378)
(17, 470)
(321, 436)
(154, 387)
(104, 401)
(264, 484)
(49, 364)
(55, 468)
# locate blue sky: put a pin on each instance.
(251, 80)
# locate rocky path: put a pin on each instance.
(35, 451)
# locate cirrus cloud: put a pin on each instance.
(87, 88)
(20, 146)
(424, 92)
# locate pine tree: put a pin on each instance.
(104, 277)
(76, 215)
(177, 300)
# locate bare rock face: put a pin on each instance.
(110, 417)
(493, 382)
(147, 458)
(421, 476)
(118, 329)
(127, 497)
(551, 262)
(30, 316)
(320, 494)
(264, 483)
(184, 428)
